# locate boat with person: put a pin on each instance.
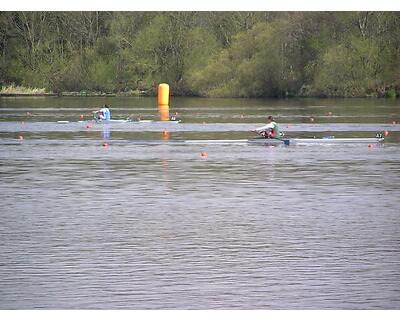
(118, 121)
(266, 141)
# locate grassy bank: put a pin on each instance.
(13, 90)
(20, 91)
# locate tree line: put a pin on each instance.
(216, 54)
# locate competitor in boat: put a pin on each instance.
(103, 114)
(271, 130)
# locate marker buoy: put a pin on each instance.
(81, 116)
(204, 154)
(88, 126)
(386, 133)
(370, 146)
(163, 101)
(105, 145)
(21, 137)
(312, 119)
(165, 135)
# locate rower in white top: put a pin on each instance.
(104, 114)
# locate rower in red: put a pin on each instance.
(271, 130)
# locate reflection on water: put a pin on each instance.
(161, 226)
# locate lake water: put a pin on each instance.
(89, 225)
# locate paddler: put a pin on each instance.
(103, 114)
(271, 130)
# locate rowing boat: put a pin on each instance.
(327, 140)
(263, 141)
(120, 121)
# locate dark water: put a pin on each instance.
(128, 226)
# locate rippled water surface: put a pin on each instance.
(91, 220)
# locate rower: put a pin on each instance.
(103, 114)
(271, 130)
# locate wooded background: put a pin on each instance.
(217, 54)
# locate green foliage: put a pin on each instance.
(391, 93)
(348, 70)
(221, 54)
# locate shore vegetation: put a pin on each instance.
(210, 54)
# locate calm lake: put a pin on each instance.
(92, 220)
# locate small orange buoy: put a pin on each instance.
(386, 133)
(204, 154)
(165, 135)
(312, 119)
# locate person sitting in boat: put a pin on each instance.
(103, 114)
(271, 130)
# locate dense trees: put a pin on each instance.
(239, 54)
